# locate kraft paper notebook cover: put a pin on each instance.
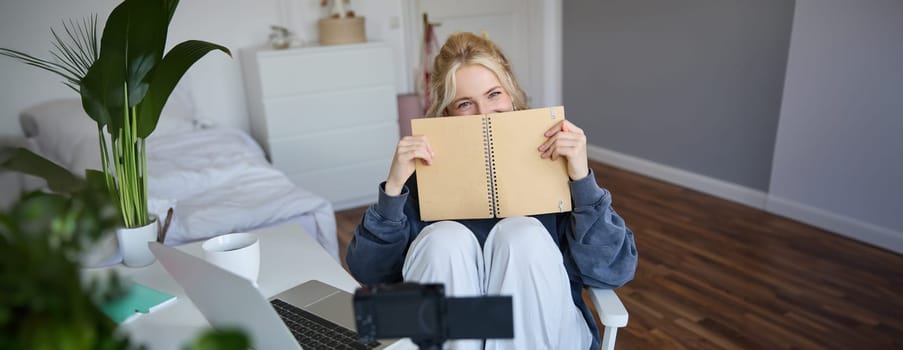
(489, 166)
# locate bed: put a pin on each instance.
(216, 179)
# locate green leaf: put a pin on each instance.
(70, 79)
(96, 179)
(58, 178)
(227, 339)
(96, 89)
(176, 62)
(132, 45)
(73, 53)
(135, 34)
(170, 7)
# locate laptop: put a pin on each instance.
(312, 315)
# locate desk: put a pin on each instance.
(288, 257)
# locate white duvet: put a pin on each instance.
(217, 181)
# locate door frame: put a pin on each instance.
(544, 18)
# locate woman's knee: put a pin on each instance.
(525, 235)
(444, 237)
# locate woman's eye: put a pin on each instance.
(464, 105)
(494, 94)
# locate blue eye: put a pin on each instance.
(494, 94)
(463, 105)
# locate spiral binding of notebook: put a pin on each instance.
(489, 155)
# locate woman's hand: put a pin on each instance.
(409, 149)
(567, 140)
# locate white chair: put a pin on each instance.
(612, 314)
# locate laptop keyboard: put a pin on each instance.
(314, 332)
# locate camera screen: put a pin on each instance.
(403, 316)
(424, 314)
(401, 310)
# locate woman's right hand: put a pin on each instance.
(408, 150)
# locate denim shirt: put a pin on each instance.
(597, 247)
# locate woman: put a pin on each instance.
(543, 261)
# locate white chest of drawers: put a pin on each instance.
(326, 116)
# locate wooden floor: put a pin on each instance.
(716, 274)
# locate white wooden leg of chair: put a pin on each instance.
(608, 338)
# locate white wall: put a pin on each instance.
(215, 81)
(25, 26)
(837, 161)
(692, 84)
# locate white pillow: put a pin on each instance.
(65, 134)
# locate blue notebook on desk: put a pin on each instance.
(139, 299)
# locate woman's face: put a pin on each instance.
(478, 91)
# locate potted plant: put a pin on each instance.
(124, 81)
(45, 304)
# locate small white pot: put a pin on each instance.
(133, 243)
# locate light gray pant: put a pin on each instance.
(519, 259)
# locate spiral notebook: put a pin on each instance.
(489, 166)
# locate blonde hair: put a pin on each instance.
(462, 49)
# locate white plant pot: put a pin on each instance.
(133, 243)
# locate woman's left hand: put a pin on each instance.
(567, 140)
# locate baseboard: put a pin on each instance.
(701, 183)
(845, 226)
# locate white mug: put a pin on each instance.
(238, 253)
